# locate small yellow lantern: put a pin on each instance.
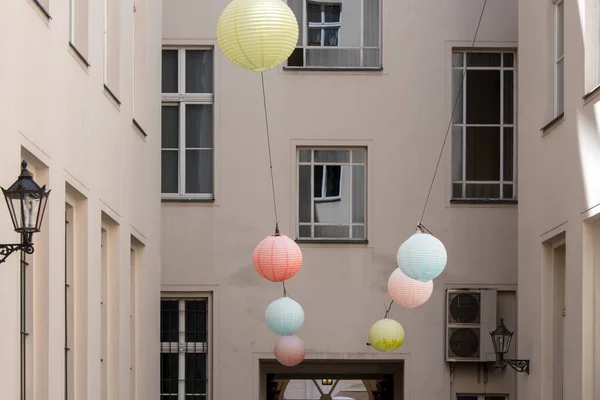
(257, 34)
(386, 335)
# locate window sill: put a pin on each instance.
(484, 201)
(187, 200)
(41, 8)
(591, 94)
(552, 124)
(139, 129)
(332, 241)
(80, 57)
(332, 69)
(112, 96)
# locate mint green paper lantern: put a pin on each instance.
(284, 316)
(422, 257)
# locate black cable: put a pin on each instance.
(453, 110)
(262, 78)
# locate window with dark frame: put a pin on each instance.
(484, 126)
(184, 348)
(332, 36)
(187, 123)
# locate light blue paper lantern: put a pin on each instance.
(422, 257)
(284, 316)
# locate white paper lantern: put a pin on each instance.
(284, 316)
(422, 257)
(408, 292)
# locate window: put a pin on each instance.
(187, 123)
(184, 348)
(483, 130)
(332, 194)
(342, 34)
(78, 26)
(140, 68)
(480, 397)
(104, 314)
(69, 302)
(559, 65)
(111, 47)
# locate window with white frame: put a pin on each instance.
(559, 63)
(332, 193)
(337, 34)
(483, 127)
(187, 123)
(480, 397)
(184, 348)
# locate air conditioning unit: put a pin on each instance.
(470, 317)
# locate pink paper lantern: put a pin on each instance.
(290, 350)
(408, 292)
(277, 258)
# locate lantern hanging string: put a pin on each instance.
(262, 79)
(420, 225)
(458, 95)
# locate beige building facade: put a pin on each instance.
(559, 204)
(81, 107)
(357, 117)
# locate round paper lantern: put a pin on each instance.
(408, 292)
(284, 316)
(257, 34)
(290, 350)
(422, 257)
(277, 258)
(386, 335)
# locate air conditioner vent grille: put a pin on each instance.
(464, 342)
(464, 308)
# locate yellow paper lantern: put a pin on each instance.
(386, 335)
(257, 34)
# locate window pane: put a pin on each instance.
(560, 87)
(333, 180)
(304, 200)
(332, 12)
(495, 398)
(457, 95)
(195, 375)
(297, 58)
(170, 127)
(334, 156)
(508, 97)
(359, 156)
(508, 154)
(560, 23)
(169, 321)
(358, 232)
(314, 36)
(199, 126)
(198, 71)
(195, 321)
(483, 154)
(358, 193)
(457, 153)
(457, 59)
(483, 97)
(483, 191)
(509, 59)
(459, 397)
(297, 7)
(305, 155)
(318, 181)
(170, 171)
(333, 57)
(198, 171)
(331, 37)
(169, 71)
(313, 12)
(371, 58)
(332, 232)
(371, 23)
(507, 192)
(483, 59)
(457, 191)
(304, 231)
(337, 211)
(169, 371)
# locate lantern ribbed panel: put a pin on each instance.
(277, 258)
(284, 316)
(408, 292)
(422, 257)
(386, 335)
(257, 34)
(290, 350)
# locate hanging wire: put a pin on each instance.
(284, 290)
(453, 111)
(420, 225)
(262, 79)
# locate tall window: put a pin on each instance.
(69, 302)
(483, 130)
(112, 41)
(187, 123)
(337, 34)
(332, 194)
(184, 348)
(559, 65)
(103, 314)
(78, 26)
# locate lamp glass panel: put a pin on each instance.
(42, 209)
(31, 204)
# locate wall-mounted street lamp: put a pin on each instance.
(501, 338)
(26, 202)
